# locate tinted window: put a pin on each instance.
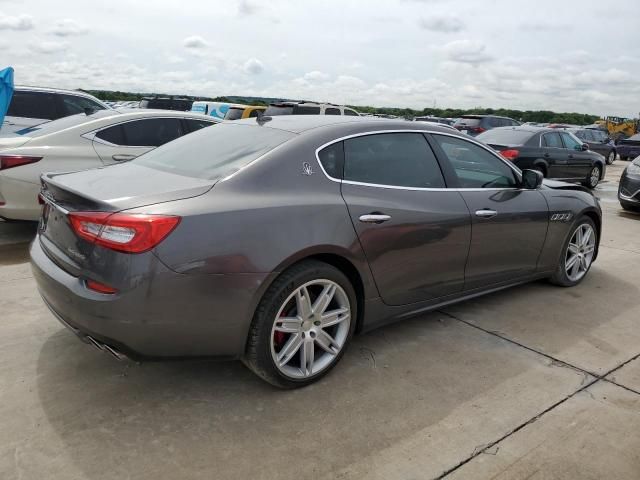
(474, 166)
(470, 122)
(273, 110)
(194, 125)
(113, 135)
(216, 152)
(351, 113)
(151, 132)
(255, 113)
(234, 113)
(332, 111)
(298, 110)
(505, 136)
(33, 105)
(332, 159)
(570, 142)
(582, 135)
(551, 140)
(400, 159)
(495, 122)
(73, 104)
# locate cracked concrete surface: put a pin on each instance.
(533, 382)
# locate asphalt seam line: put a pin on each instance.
(596, 379)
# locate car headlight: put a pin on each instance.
(634, 168)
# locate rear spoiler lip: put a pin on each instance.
(48, 178)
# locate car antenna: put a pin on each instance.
(261, 118)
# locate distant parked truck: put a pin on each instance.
(308, 108)
(177, 104)
(237, 112)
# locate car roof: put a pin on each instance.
(473, 115)
(303, 123)
(28, 88)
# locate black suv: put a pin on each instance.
(598, 141)
(476, 124)
(167, 103)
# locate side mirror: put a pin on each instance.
(531, 179)
(584, 147)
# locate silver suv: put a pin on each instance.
(34, 105)
(308, 108)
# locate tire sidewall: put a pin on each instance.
(270, 305)
(589, 182)
(560, 277)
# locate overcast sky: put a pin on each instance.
(569, 55)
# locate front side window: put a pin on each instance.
(551, 140)
(33, 105)
(474, 166)
(332, 111)
(151, 132)
(395, 159)
(299, 110)
(72, 104)
(351, 113)
(570, 141)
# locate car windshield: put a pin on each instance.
(470, 122)
(65, 122)
(505, 136)
(214, 153)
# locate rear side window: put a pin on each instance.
(332, 111)
(299, 110)
(72, 104)
(113, 135)
(273, 110)
(332, 159)
(552, 140)
(217, 152)
(195, 125)
(397, 159)
(151, 132)
(351, 113)
(33, 105)
(474, 166)
(234, 113)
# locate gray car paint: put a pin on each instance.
(196, 292)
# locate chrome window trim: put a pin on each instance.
(399, 187)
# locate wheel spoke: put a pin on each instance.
(289, 349)
(586, 237)
(288, 324)
(571, 262)
(334, 317)
(579, 236)
(589, 249)
(576, 267)
(327, 342)
(303, 303)
(307, 354)
(573, 248)
(584, 263)
(324, 299)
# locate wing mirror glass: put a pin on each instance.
(531, 179)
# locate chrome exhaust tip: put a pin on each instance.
(106, 348)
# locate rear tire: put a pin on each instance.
(611, 157)
(541, 169)
(572, 246)
(294, 339)
(593, 178)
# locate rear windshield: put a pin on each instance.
(65, 122)
(214, 153)
(234, 113)
(505, 136)
(273, 110)
(470, 122)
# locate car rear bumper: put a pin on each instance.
(169, 315)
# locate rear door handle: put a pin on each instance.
(547, 155)
(486, 213)
(123, 157)
(374, 218)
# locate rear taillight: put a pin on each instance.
(100, 287)
(129, 233)
(11, 161)
(477, 130)
(510, 154)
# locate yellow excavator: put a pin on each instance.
(619, 127)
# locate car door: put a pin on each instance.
(128, 140)
(579, 162)
(414, 232)
(554, 154)
(508, 223)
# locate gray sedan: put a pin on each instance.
(275, 240)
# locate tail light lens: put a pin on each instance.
(477, 130)
(510, 154)
(100, 287)
(11, 161)
(129, 233)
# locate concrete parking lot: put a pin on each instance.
(533, 382)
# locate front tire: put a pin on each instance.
(593, 178)
(611, 157)
(302, 325)
(577, 255)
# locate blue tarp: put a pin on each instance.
(6, 91)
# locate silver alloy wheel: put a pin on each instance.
(594, 178)
(580, 252)
(310, 329)
(612, 157)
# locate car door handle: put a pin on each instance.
(570, 155)
(374, 218)
(123, 157)
(547, 155)
(486, 213)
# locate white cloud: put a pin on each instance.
(47, 47)
(315, 76)
(253, 66)
(245, 7)
(195, 42)
(19, 22)
(444, 24)
(67, 28)
(466, 51)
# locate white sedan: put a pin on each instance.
(80, 142)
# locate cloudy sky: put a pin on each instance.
(569, 55)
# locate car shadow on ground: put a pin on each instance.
(189, 418)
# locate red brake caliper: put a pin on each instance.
(279, 337)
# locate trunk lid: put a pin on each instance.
(107, 189)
